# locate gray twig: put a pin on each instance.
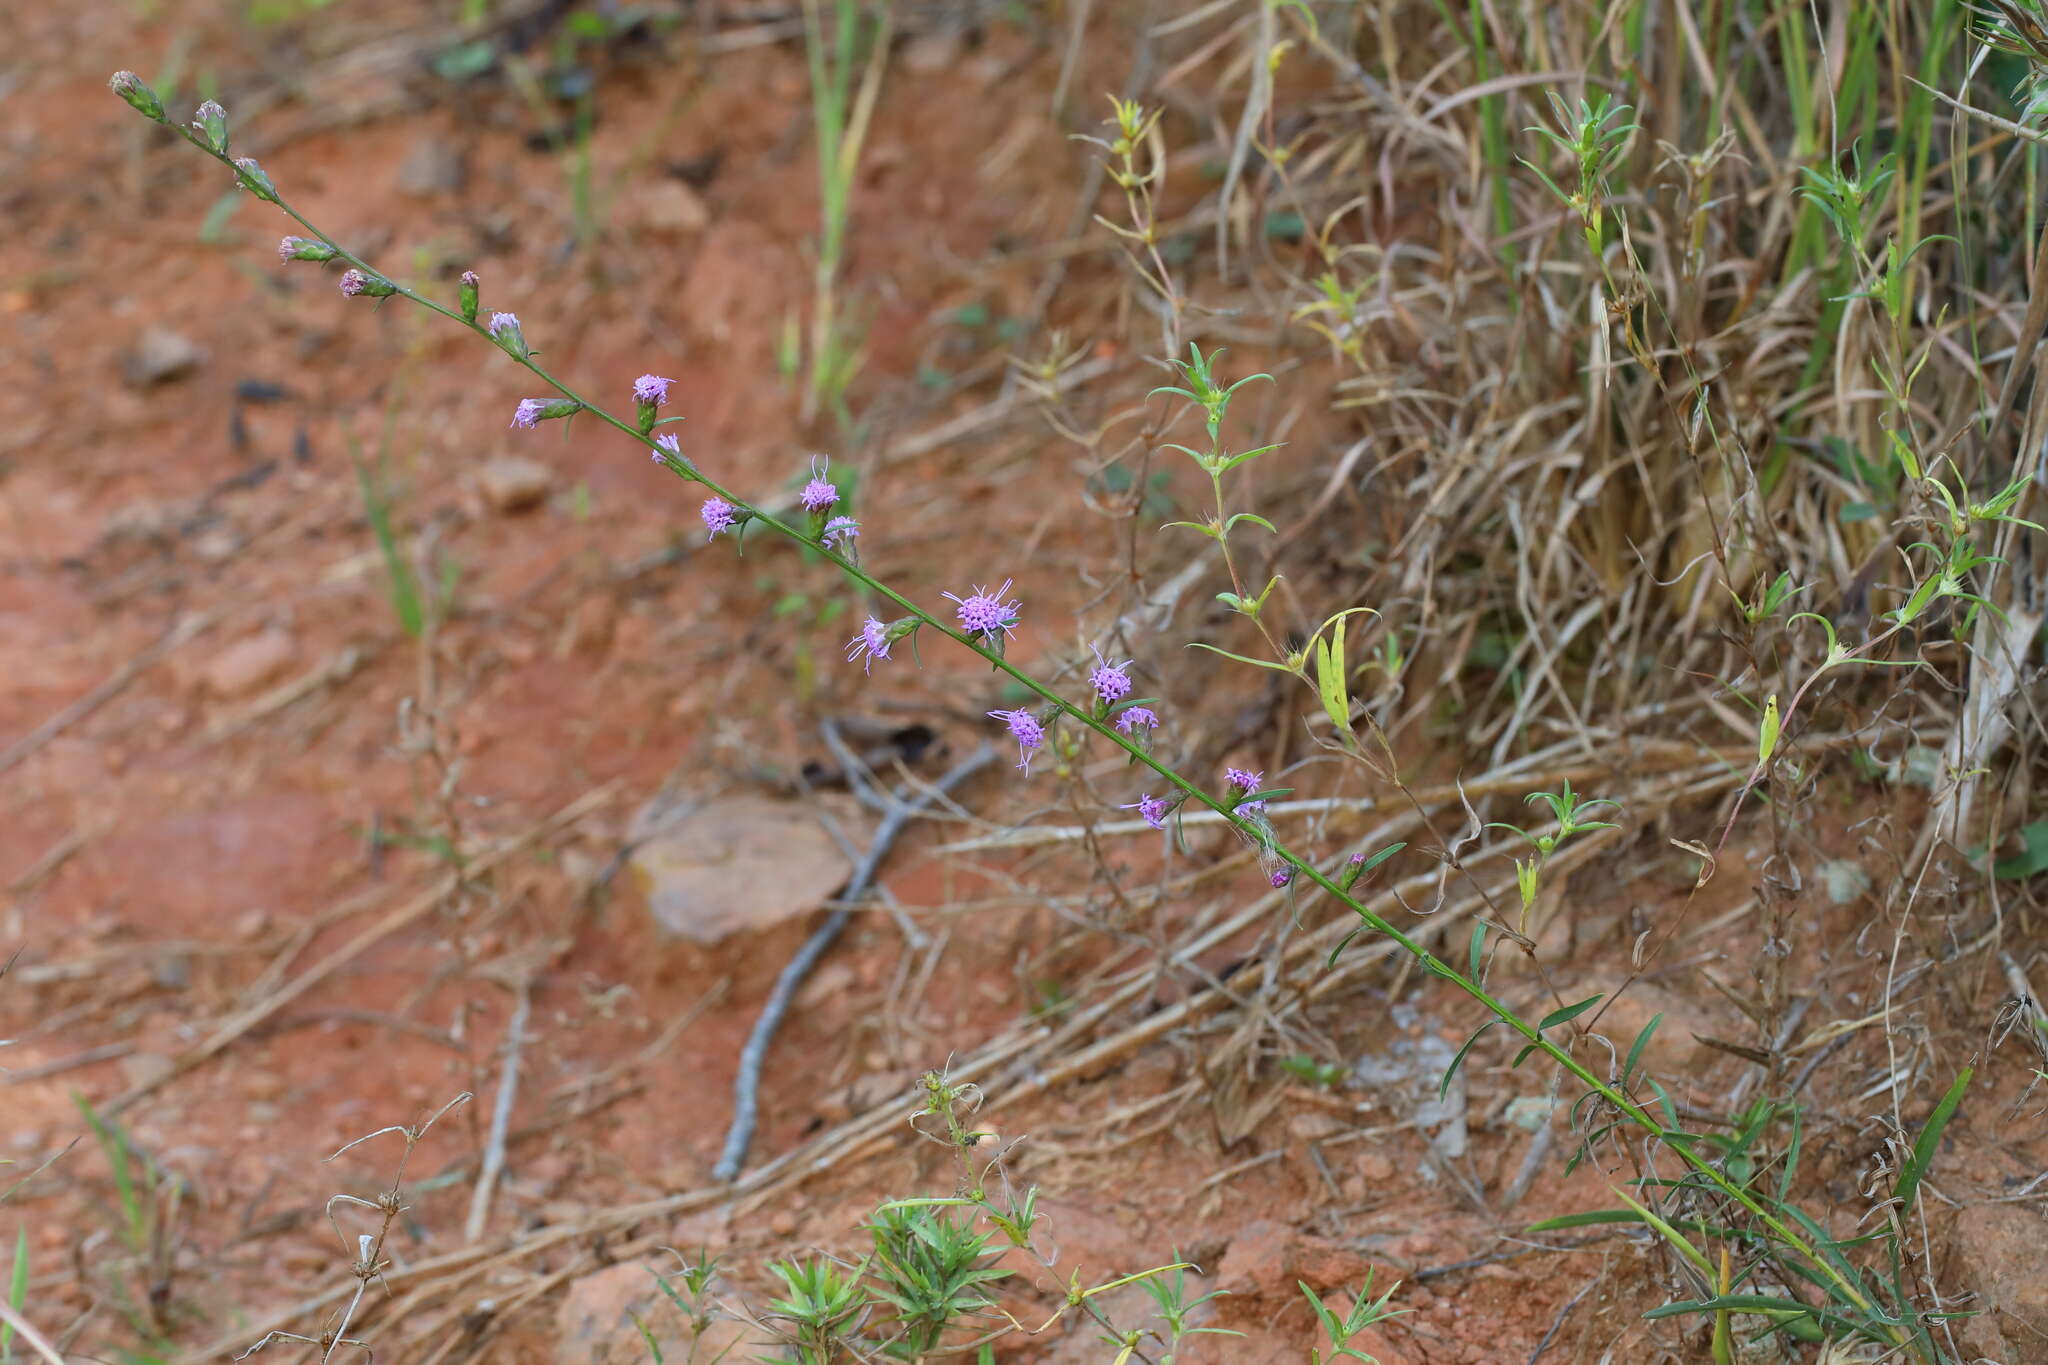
(746, 1086)
(501, 1119)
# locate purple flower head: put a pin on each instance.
(1280, 877)
(527, 413)
(1247, 783)
(984, 613)
(873, 641)
(1112, 682)
(1358, 857)
(670, 446)
(719, 515)
(1025, 729)
(288, 249)
(1151, 808)
(651, 389)
(819, 493)
(1132, 716)
(841, 529)
(469, 278)
(502, 323)
(354, 282)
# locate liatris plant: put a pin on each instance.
(984, 623)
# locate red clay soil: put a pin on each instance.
(215, 779)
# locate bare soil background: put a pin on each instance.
(237, 935)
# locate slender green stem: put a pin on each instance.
(1612, 1094)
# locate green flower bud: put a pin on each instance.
(304, 249)
(212, 123)
(140, 97)
(253, 178)
(466, 296)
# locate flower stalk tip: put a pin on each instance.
(139, 96)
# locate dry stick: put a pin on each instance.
(398, 919)
(501, 1118)
(113, 687)
(29, 1334)
(746, 1085)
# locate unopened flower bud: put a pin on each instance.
(505, 331)
(466, 296)
(140, 97)
(535, 410)
(354, 282)
(254, 179)
(304, 249)
(212, 122)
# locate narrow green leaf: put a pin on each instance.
(17, 1288)
(1330, 679)
(1569, 1012)
(1444, 1087)
(1642, 1041)
(1591, 1218)
(1915, 1169)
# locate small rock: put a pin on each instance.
(827, 984)
(1845, 880)
(782, 1223)
(673, 208)
(1530, 1113)
(511, 484)
(1376, 1169)
(248, 664)
(159, 356)
(1313, 1125)
(736, 864)
(932, 52)
(706, 1233)
(433, 167)
(146, 1068)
